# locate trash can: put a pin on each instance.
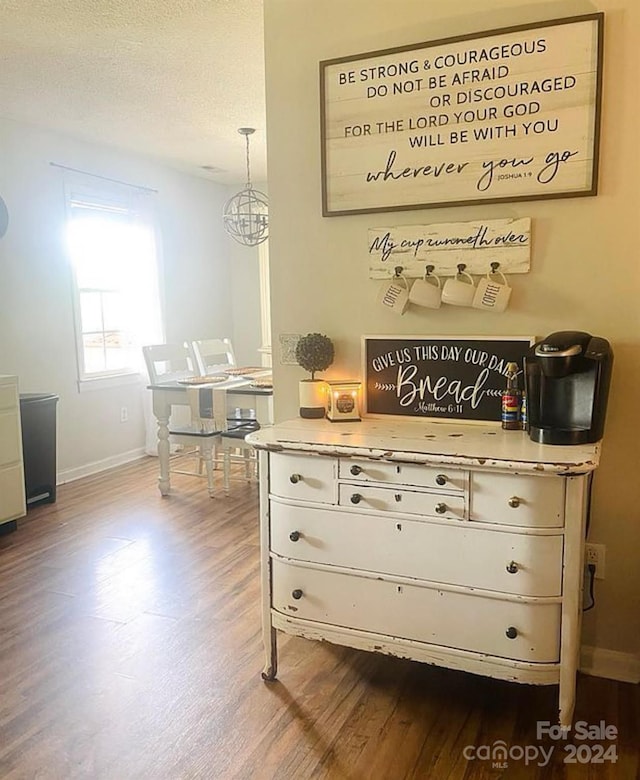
(38, 416)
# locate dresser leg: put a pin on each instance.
(573, 563)
(567, 702)
(271, 667)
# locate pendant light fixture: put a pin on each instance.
(245, 216)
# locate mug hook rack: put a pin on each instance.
(418, 271)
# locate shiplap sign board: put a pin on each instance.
(503, 115)
(445, 246)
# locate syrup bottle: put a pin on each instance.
(511, 400)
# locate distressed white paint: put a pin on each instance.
(448, 657)
(483, 446)
(381, 605)
(359, 567)
(475, 244)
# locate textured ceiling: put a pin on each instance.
(173, 79)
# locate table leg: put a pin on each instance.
(207, 453)
(164, 483)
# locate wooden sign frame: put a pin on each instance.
(505, 115)
(446, 378)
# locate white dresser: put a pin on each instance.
(12, 497)
(456, 545)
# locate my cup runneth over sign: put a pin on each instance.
(501, 115)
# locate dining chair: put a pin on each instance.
(169, 362)
(213, 356)
(173, 362)
(211, 404)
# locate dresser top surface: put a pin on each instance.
(485, 446)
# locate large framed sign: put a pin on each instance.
(503, 115)
(442, 377)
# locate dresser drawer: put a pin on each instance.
(439, 617)
(513, 499)
(10, 437)
(304, 477)
(456, 554)
(9, 396)
(401, 500)
(441, 478)
(12, 499)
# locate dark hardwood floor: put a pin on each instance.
(130, 647)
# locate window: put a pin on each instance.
(112, 250)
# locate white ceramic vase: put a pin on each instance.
(313, 397)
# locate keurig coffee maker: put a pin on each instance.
(567, 379)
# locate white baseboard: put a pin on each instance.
(612, 664)
(70, 475)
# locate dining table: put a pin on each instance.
(242, 392)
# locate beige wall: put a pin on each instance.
(584, 274)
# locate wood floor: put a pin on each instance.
(130, 647)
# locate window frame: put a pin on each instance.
(135, 204)
(265, 304)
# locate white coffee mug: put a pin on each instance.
(457, 292)
(426, 292)
(394, 295)
(491, 295)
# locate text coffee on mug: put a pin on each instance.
(491, 295)
(394, 295)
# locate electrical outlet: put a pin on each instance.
(124, 414)
(595, 554)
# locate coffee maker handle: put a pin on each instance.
(576, 349)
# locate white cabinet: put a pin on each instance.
(385, 539)
(12, 498)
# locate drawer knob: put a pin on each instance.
(511, 632)
(441, 479)
(514, 502)
(441, 508)
(297, 594)
(512, 568)
(295, 478)
(355, 470)
(356, 498)
(294, 536)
